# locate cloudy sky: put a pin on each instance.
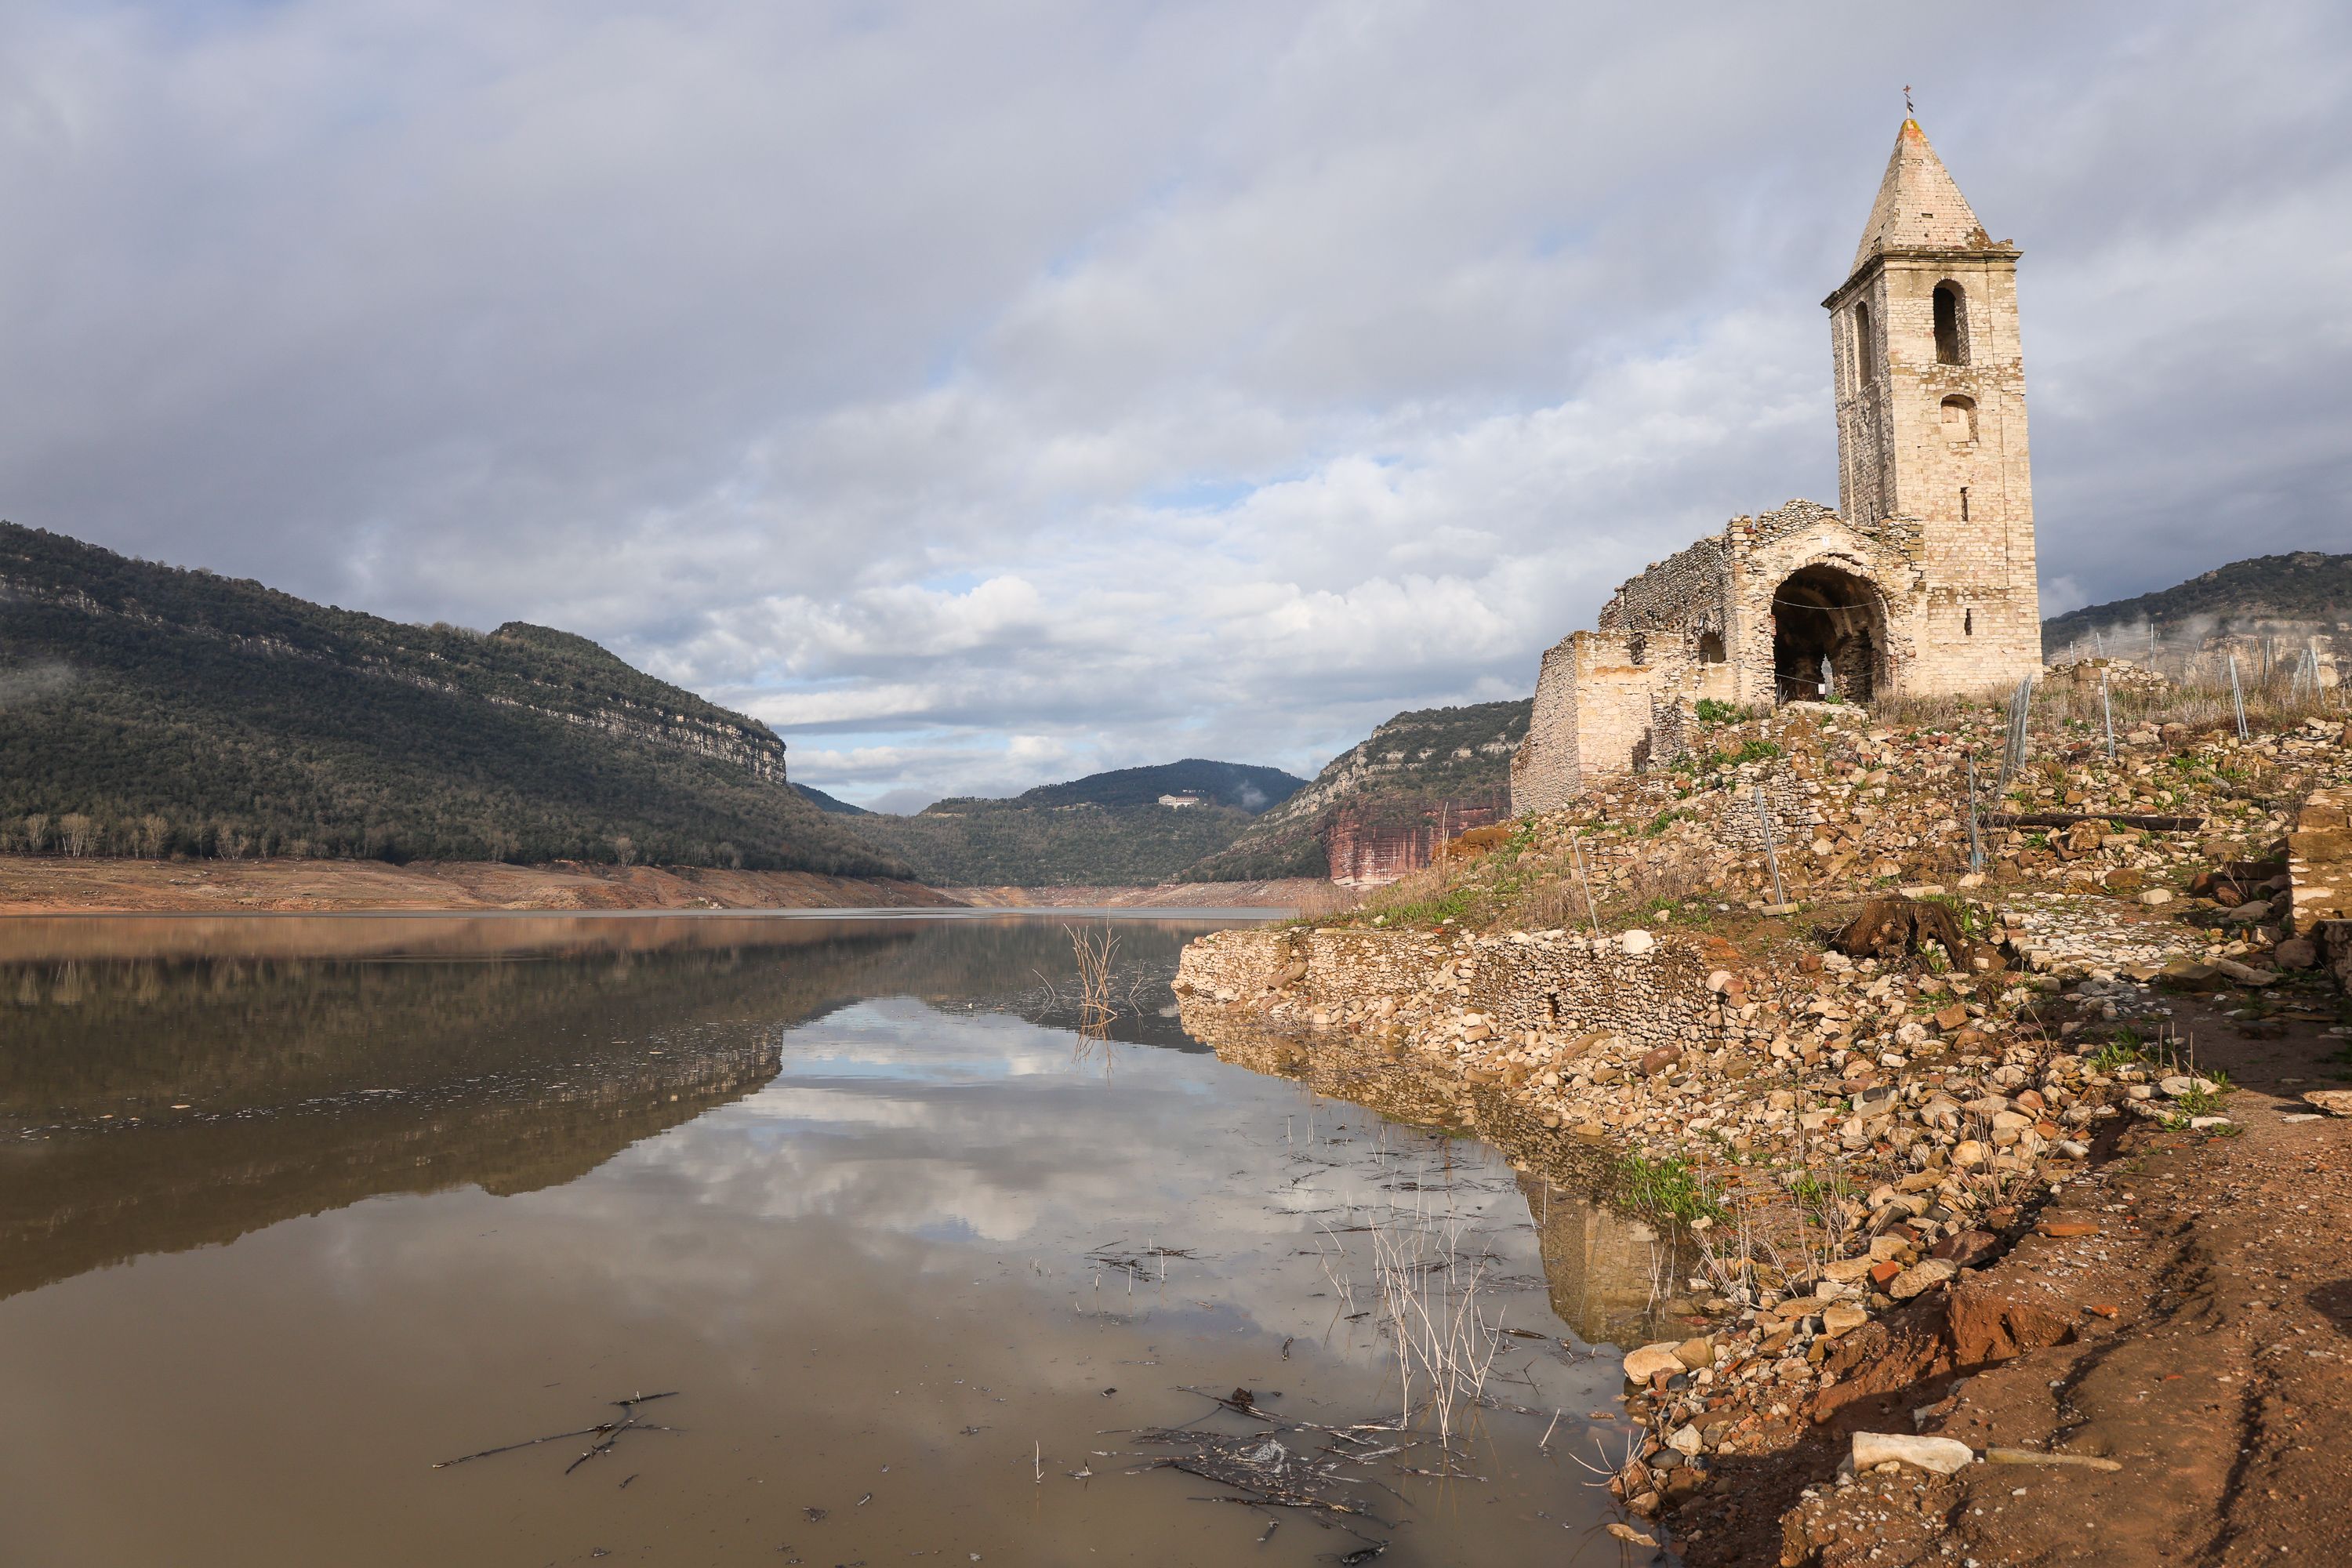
(986, 394)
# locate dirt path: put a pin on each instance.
(2208, 1294)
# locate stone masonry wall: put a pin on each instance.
(1559, 984)
(1917, 433)
(1543, 770)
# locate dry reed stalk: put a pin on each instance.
(1428, 1294)
(1093, 951)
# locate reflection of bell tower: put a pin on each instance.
(1931, 384)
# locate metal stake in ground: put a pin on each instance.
(1576, 854)
(2238, 699)
(2012, 754)
(1771, 858)
(2108, 710)
(1976, 845)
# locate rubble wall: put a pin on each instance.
(1562, 985)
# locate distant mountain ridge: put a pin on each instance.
(150, 709)
(1105, 829)
(2305, 589)
(1237, 785)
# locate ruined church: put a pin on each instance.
(1923, 579)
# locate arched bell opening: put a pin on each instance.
(1829, 636)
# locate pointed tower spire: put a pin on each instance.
(1918, 206)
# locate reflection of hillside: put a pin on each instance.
(512, 1053)
(83, 1201)
(316, 1083)
(1599, 1263)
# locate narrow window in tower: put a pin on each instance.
(1865, 351)
(1964, 503)
(1959, 416)
(1951, 325)
(1968, 623)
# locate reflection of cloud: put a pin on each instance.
(934, 1144)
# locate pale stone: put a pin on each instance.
(2335, 1102)
(1920, 1277)
(1637, 941)
(2157, 897)
(1843, 1318)
(1645, 1364)
(1684, 1440)
(1944, 1456)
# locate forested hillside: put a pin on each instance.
(146, 710)
(2306, 591)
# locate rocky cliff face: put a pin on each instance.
(1372, 843)
(1379, 808)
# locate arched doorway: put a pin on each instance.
(1825, 617)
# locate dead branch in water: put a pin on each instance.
(606, 1434)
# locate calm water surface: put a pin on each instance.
(291, 1209)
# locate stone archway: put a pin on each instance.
(1824, 613)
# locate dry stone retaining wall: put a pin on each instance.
(1556, 984)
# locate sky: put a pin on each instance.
(983, 395)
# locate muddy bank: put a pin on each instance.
(46, 885)
(2183, 1310)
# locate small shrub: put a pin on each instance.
(1670, 1187)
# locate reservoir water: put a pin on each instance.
(294, 1210)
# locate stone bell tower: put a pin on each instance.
(1931, 416)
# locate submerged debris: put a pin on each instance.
(606, 1434)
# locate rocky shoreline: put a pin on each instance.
(1857, 1144)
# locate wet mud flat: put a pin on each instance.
(825, 1249)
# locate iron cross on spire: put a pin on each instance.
(1907, 110)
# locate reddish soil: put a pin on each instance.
(1308, 895)
(2203, 1293)
(41, 885)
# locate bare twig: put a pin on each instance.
(607, 1433)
